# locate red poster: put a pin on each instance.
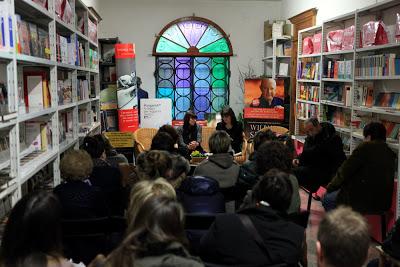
(128, 117)
(264, 99)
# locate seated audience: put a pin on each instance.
(365, 180)
(106, 177)
(112, 156)
(234, 128)
(220, 165)
(248, 175)
(258, 235)
(156, 237)
(169, 129)
(180, 170)
(32, 235)
(343, 239)
(274, 155)
(189, 135)
(78, 197)
(321, 157)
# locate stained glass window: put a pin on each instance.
(192, 66)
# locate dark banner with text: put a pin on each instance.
(128, 119)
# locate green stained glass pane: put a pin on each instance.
(218, 98)
(220, 46)
(166, 46)
(219, 72)
(175, 34)
(209, 36)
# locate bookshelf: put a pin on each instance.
(368, 86)
(39, 110)
(277, 53)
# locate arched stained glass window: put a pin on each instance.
(192, 66)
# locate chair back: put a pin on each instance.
(206, 133)
(143, 138)
(200, 194)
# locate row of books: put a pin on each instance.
(338, 93)
(284, 49)
(387, 100)
(392, 128)
(309, 93)
(93, 59)
(306, 111)
(338, 117)
(339, 69)
(38, 135)
(69, 52)
(6, 28)
(65, 126)
(82, 89)
(378, 65)
(308, 70)
(32, 40)
(83, 116)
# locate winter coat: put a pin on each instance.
(366, 179)
(221, 167)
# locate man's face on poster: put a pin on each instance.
(267, 89)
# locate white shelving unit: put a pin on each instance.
(272, 58)
(386, 11)
(22, 162)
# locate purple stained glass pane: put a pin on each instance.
(182, 72)
(193, 30)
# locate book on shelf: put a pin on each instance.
(83, 89)
(308, 70)
(93, 59)
(378, 65)
(109, 120)
(64, 90)
(364, 95)
(65, 50)
(283, 69)
(65, 126)
(80, 54)
(80, 21)
(336, 92)
(36, 89)
(280, 50)
(287, 49)
(38, 135)
(339, 117)
(338, 69)
(6, 27)
(309, 93)
(92, 30)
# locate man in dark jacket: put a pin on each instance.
(322, 155)
(365, 180)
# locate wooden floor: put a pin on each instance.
(316, 214)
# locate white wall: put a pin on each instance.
(326, 9)
(139, 21)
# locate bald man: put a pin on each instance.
(267, 98)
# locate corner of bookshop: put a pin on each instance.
(196, 133)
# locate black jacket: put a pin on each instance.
(323, 153)
(80, 200)
(108, 179)
(366, 179)
(228, 242)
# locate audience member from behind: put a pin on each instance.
(163, 141)
(106, 177)
(144, 190)
(248, 175)
(321, 157)
(180, 170)
(169, 129)
(275, 155)
(78, 197)
(231, 238)
(365, 180)
(112, 156)
(343, 239)
(220, 165)
(154, 164)
(155, 238)
(234, 128)
(32, 236)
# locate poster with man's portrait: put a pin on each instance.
(264, 99)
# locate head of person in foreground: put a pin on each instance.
(343, 239)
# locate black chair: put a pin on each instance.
(196, 225)
(85, 238)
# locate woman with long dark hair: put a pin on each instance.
(234, 128)
(190, 134)
(32, 236)
(155, 237)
